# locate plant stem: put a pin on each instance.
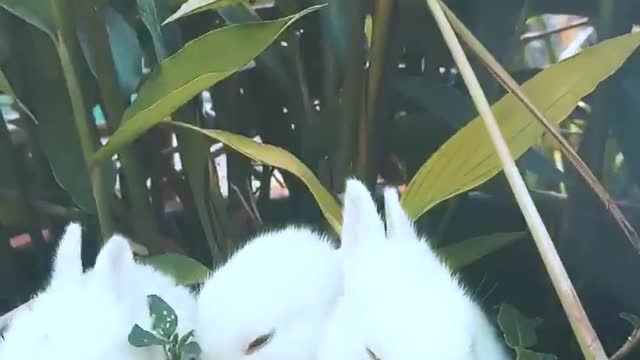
(512, 86)
(586, 336)
(68, 51)
(352, 102)
(144, 223)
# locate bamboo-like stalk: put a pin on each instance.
(512, 86)
(144, 223)
(586, 336)
(69, 53)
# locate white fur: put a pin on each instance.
(89, 315)
(400, 301)
(286, 281)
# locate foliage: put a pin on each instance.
(164, 325)
(520, 333)
(172, 121)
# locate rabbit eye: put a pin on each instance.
(259, 342)
(372, 355)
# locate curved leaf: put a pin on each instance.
(471, 250)
(6, 88)
(35, 12)
(125, 49)
(468, 158)
(280, 158)
(184, 270)
(195, 6)
(519, 331)
(199, 65)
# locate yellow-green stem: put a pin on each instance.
(586, 336)
(67, 47)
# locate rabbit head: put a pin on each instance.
(271, 299)
(86, 315)
(400, 301)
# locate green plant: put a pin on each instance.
(163, 333)
(133, 87)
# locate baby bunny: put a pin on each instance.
(89, 315)
(271, 299)
(400, 301)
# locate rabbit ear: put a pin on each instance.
(115, 265)
(361, 221)
(67, 265)
(398, 223)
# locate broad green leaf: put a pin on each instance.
(140, 337)
(471, 250)
(195, 6)
(49, 100)
(280, 158)
(524, 354)
(199, 65)
(164, 319)
(182, 269)
(35, 12)
(519, 331)
(468, 158)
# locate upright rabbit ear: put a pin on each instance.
(398, 223)
(360, 219)
(114, 265)
(67, 265)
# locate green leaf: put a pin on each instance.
(184, 270)
(50, 102)
(195, 6)
(165, 41)
(634, 320)
(35, 12)
(194, 151)
(140, 337)
(471, 250)
(524, 354)
(519, 331)
(6, 88)
(184, 339)
(190, 351)
(164, 319)
(199, 65)
(125, 49)
(468, 158)
(282, 159)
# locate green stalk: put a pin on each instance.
(365, 159)
(512, 86)
(69, 53)
(144, 222)
(586, 336)
(352, 94)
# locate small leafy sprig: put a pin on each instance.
(164, 322)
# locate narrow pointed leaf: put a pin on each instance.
(471, 250)
(195, 6)
(280, 158)
(35, 12)
(199, 65)
(184, 270)
(468, 158)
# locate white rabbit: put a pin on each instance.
(271, 299)
(89, 315)
(400, 301)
